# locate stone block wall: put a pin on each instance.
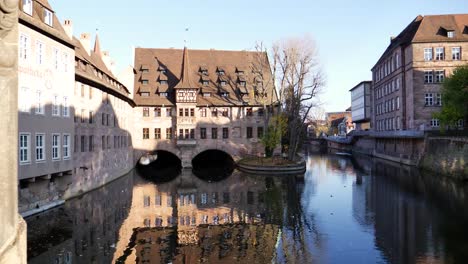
(446, 156)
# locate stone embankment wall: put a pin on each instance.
(447, 156)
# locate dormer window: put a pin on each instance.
(162, 69)
(48, 17)
(144, 94)
(205, 83)
(144, 70)
(222, 83)
(224, 94)
(144, 81)
(242, 83)
(27, 7)
(163, 94)
(451, 34)
(204, 70)
(206, 94)
(221, 71)
(240, 71)
(162, 82)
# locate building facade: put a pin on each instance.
(45, 121)
(408, 76)
(74, 115)
(361, 101)
(102, 119)
(191, 101)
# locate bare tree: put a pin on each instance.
(299, 79)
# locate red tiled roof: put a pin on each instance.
(431, 28)
(188, 75)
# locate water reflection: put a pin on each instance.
(342, 210)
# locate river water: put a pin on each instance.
(342, 210)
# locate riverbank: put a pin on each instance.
(271, 166)
(447, 156)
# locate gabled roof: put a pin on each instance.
(430, 28)
(95, 60)
(210, 60)
(36, 22)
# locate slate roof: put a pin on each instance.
(190, 75)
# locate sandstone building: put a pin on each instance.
(45, 88)
(188, 101)
(407, 78)
(102, 119)
(74, 115)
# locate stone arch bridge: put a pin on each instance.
(187, 149)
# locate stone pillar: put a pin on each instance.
(12, 226)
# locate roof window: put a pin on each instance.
(48, 17)
(27, 7)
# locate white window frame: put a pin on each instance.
(41, 147)
(204, 198)
(65, 61)
(439, 76)
(24, 100)
(55, 54)
(24, 148)
(428, 99)
(65, 107)
(55, 139)
(428, 56)
(460, 123)
(48, 17)
(428, 76)
(66, 146)
(39, 105)
(435, 122)
(438, 99)
(24, 46)
(450, 34)
(56, 106)
(439, 53)
(27, 7)
(40, 48)
(456, 53)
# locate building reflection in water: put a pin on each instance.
(190, 220)
(343, 210)
(416, 217)
(84, 229)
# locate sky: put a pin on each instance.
(351, 35)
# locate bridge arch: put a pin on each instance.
(166, 166)
(213, 164)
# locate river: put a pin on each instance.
(342, 210)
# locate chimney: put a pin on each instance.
(392, 38)
(85, 39)
(68, 27)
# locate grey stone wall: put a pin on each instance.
(446, 156)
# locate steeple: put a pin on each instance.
(97, 46)
(185, 80)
